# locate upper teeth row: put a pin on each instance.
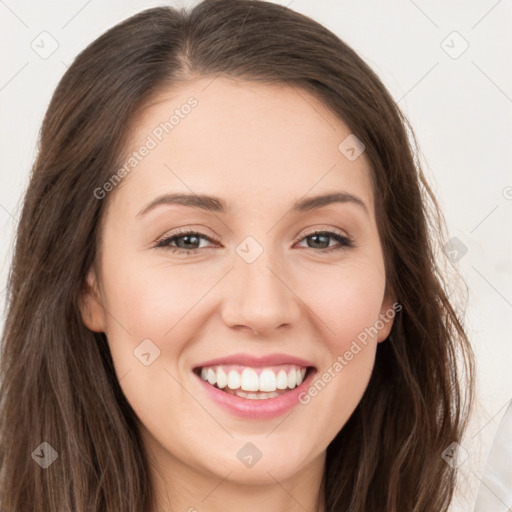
(248, 379)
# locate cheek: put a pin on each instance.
(149, 325)
(160, 303)
(149, 301)
(348, 313)
(347, 302)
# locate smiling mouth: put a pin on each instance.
(254, 383)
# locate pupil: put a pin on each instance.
(316, 237)
(188, 237)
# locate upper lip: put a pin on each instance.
(256, 361)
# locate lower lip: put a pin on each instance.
(257, 409)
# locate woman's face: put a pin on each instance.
(252, 298)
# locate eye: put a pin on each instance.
(186, 242)
(321, 238)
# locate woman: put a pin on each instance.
(176, 338)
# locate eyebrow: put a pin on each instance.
(217, 205)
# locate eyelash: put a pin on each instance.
(344, 241)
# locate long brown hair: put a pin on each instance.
(58, 384)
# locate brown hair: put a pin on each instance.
(58, 381)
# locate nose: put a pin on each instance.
(260, 297)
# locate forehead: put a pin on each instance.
(256, 145)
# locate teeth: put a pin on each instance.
(222, 378)
(254, 383)
(212, 377)
(282, 380)
(267, 381)
(250, 380)
(253, 396)
(233, 380)
(292, 378)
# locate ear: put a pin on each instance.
(388, 311)
(91, 304)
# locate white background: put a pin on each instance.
(459, 107)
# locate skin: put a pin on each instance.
(260, 148)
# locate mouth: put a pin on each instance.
(254, 383)
(255, 387)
